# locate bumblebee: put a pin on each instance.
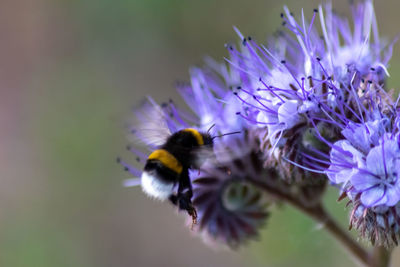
(168, 167)
(166, 171)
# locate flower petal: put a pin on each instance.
(362, 181)
(288, 114)
(372, 196)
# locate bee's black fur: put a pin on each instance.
(183, 146)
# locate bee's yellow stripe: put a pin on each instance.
(167, 159)
(196, 134)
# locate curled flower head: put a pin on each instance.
(231, 209)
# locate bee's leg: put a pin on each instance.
(185, 186)
(185, 194)
(173, 199)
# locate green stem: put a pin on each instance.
(380, 257)
(319, 214)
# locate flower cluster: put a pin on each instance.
(311, 108)
(320, 102)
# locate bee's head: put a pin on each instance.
(208, 140)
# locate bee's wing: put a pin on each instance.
(223, 152)
(150, 127)
(204, 153)
(131, 182)
(232, 149)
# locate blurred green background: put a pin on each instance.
(70, 71)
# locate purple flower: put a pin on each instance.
(211, 99)
(373, 173)
(352, 151)
(379, 183)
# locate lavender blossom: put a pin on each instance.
(298, 79)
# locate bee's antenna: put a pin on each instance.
(209, 129)
(225, 134)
